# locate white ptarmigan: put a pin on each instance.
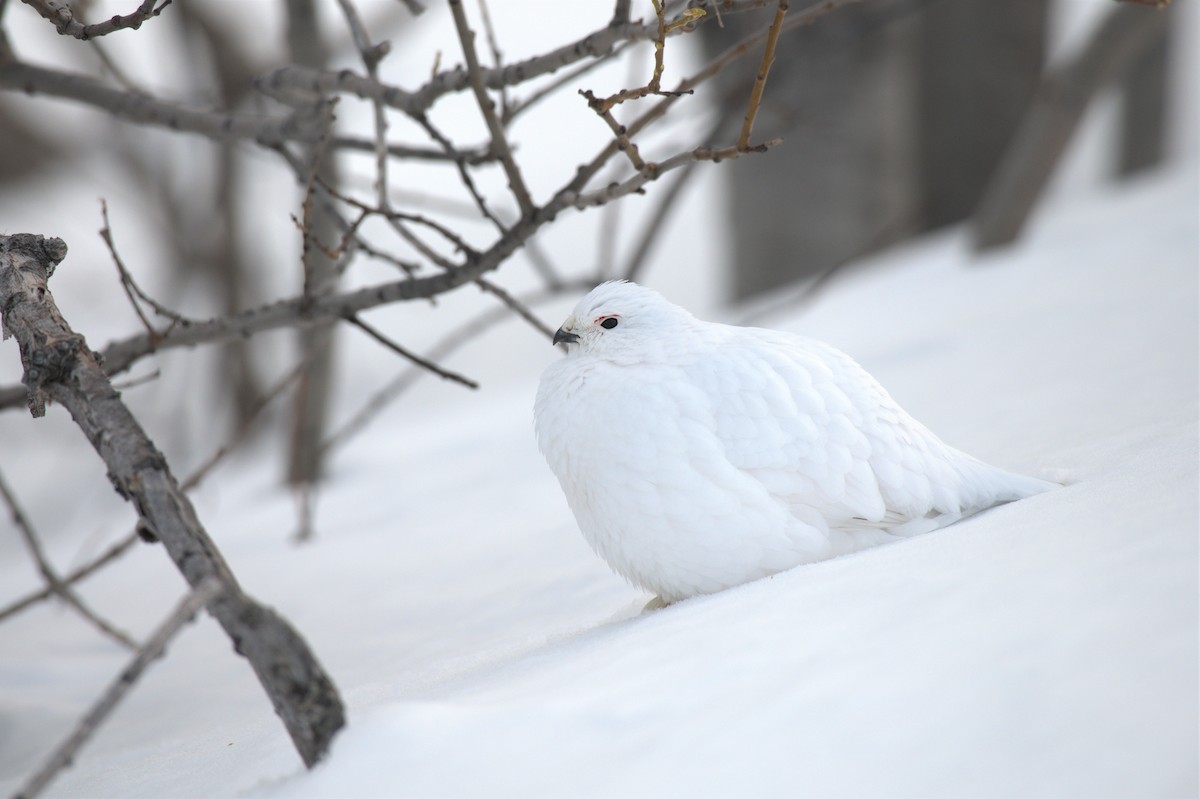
(697, 456)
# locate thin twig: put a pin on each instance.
(500, 144)
(131, 288)
(53, 581)
(517, 306)
(461, 163)
(472, 156)
(109, 555)
(604, 110)
(444, 347)
(371, 55)
(636, 183)
(652, 230)
(409, 354)
(65, 754)
(202, 471)
(654, 85)
(571, 76)
(760, 80)
(497, 59)
(190, 482)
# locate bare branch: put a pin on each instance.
(62, 757)
(517, 307)
(119, 355)
(59, 363)
(760, 80)
(604, 109)
(147, 110)
(652, 229)
(371, 55)
(239, 435)
(132, 291)
(441, 349)
(66, 24)
(460, 162)
(109, 555)
(654, 171)
(53, 581)
(191, 481)
(500, 144)
(595, 45)
(424, 363)
(472, 156)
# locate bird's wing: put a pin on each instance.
(819, 432)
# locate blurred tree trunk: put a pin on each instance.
(840, 94)
(1144, 108)
(320, 275)
(894, 115)
(978, 67)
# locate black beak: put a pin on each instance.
(564, 336)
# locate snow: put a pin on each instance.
(1047, 647)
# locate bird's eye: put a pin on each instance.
(609, 323)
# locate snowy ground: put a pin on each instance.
(1045, 648)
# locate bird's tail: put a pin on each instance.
(997, 485)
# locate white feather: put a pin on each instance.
(697, 456)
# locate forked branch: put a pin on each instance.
(59, 365)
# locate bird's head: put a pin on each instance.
(620, 320)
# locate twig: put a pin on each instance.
(595, 45)
(60, 365)
(497, 59)
(419, 219)
(604, 110)
(461, 163)
(445, 346)
(53, 581)
(66, 24)
(203, 593)
(471, 156)
(652, 229)
(654, 85)
(410, 355)
(571, 76)
(517, 306)
(111, 554)
(134, 382)
(191, 481)
(132, 290)
(371, 55)
(760, 80)
(652, 172)
(500, 144)
(199, 473)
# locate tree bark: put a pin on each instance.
(59, 366)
